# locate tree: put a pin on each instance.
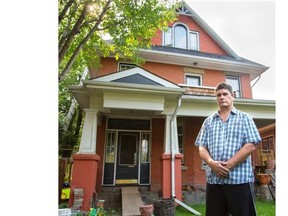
(83, 27)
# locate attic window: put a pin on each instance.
(126, 66)
(181, 37)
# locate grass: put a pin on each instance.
(264, 208)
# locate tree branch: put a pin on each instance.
(63, 12)
(71, 35)
(68, 66)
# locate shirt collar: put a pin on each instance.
(233, 111)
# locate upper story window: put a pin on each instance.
(194, 80)
(126, 66)
(234, 81)
(181, 37)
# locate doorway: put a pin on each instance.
(127, 158)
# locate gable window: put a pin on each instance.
(126, 66)
(193, 80)
(181, 37)
(234, 81)
(168, 37)
(194, 43)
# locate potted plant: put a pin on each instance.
(263, 178)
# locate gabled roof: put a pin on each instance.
(185, 9)
(136, 75)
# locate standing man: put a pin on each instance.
(226, 141)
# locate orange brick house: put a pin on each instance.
(141, 122)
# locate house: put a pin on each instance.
(141, 122)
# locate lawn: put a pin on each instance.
(264, 208)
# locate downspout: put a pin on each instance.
(173, 194)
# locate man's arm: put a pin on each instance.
(219, 167)
(241, 155)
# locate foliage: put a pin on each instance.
(84, 27)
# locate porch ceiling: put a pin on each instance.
(205, 106)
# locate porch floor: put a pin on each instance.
(131, 201)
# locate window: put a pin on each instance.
(168, 37)
(110, 147)
(268, 143)
(194, 43)
(181, 140)
(126, 66)
(145, 148)
(193, 80)
(181, 37)
(235, 83)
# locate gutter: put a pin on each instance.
(173, 194)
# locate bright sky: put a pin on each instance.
(248, 28)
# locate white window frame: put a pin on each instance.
(167, 34)
(193, 75)
(238, 92)
(125, 64)
(197, 40)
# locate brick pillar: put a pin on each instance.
(84, 176)
(166, 176)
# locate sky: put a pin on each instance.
(248, 28)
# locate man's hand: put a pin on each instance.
(219, 167)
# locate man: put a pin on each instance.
(226, 141)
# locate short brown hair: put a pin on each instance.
(224, 85)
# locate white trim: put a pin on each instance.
(136, 70)
(193, 75)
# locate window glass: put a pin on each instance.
(180, 140)
(180, 37)
(145, 147)
(110, 147)
(193, 80)
(235, 83)
(194, 41)
(168, 37)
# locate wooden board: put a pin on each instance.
(131, 201)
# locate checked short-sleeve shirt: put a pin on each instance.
(224, 139)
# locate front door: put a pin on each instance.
(127, 158)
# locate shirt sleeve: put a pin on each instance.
(251, 133)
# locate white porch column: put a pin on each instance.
(89, 132)
(171, 135)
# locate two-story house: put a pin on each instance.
(141, 122)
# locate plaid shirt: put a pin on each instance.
(224, 139)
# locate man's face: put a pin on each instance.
(224, 98)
